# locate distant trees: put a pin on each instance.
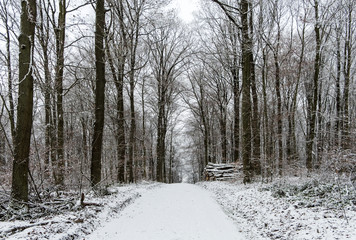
(291, 117)
(168, 51)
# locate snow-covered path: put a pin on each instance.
(172, 212)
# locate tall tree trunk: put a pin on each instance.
(118, 77)
(119, 83)
(121, 141)
(236, 91)
(247, 59)
(99, 94)
(223, 136)
(2, 149)
(11, 110)
(338, 89)
(347, 73)
(60, 39)
(44, 41)
(161, 131)
(313, 99)
(130, 162)
(143, 142)
(255, 125)
(279, 113)
(22, 141)
(132, 136)
(266, 126)
(160, 146)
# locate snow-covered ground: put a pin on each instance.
(173, 212)
(80, 222)
(265, 211)
(286, 209)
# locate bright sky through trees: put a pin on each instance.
(186, 9)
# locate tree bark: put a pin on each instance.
(279, 114)
(132, 136)
(236, 91)
(255, 125)
(247, 58)
(347, 73)
(43, 36)
(99, 94)
(313, 99)
(22, 141)
(60, 39)
(338, 89)
(11, 110)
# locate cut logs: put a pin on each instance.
(221, 172)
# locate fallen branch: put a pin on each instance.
(84, 204)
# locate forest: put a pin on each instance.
(118, 91)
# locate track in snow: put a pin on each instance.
(172, 212)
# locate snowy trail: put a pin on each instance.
(172, 212)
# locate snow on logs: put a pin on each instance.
(221, 172)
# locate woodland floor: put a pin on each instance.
(291, 208)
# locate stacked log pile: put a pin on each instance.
(221, 172)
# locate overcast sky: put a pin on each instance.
(186, 9)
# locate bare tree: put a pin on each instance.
(99, 94)
(25, 102)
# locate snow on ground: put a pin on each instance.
(77, 224)
(172, 212)
(292, 209)
(260, 215)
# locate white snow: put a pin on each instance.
(78, 223)
(172, 212)
(259, 215)
(207, 211)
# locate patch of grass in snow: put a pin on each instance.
(316, 193)
(300, 208)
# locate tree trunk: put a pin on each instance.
(223, 136)
(255, 125)
(266, 125)
(11, 110)
(99, 94)
(279, 114)
(22, 141)
(43, 36)
(120, 131)
(121, 141)
(313, 99)
(2, 149)
(160, 148)
(347, 73)
(130, 163)
(119, 83)
(143, 142)
(60, 39)
(247, 58)
(236, 133)
(338, 89)
(132, 136)
(161, 130)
